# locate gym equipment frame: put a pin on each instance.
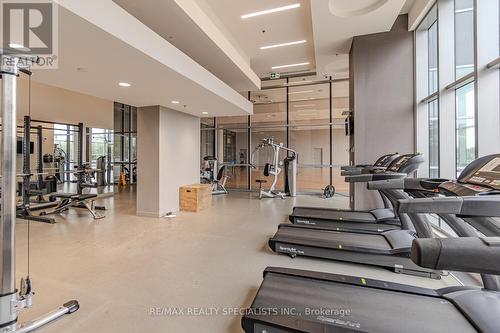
(12, 301)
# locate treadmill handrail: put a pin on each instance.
(414, 184)
(480, 206)
(362, 170)
(363, 178)
(463, 254)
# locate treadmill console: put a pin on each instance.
(488, 175)
(396, 165)
(485, 178)
(384, 160)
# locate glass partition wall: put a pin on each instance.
(303, 114)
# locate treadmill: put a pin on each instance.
(380, 164)
(373, 221)
(389, 249)
(291, 300)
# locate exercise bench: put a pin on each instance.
(73, 200)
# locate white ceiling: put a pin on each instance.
(276, 28)
(327, 25)
(336, 22)
(174, 24)
(115, 48)
(201, 51)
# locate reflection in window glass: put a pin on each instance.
(432, 36)
(235, 156)
(466, 126)
(312, 144)
(207, 143)
(309, 105)
(269, 107)
(464, 37)
(433, 139)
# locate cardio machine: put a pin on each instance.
(380, 164)
(324, 302)
(275, 168)
(372, 221)
(389, 248)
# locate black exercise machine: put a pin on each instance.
(40, 187)
(291, 300)
(79, 199)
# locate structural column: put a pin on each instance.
(381, 67)
(168, 156)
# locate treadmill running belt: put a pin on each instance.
(331, 214)
(290, 233)
(321, 304)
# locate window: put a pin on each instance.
(433, 139)
(427, 74)
(465, 126)
(464, 37)
(125, 139)
(432, 37)
(64, 144)
(207, 138)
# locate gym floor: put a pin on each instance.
(122, 266)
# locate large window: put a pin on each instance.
(464, 37)
(125, 140)
(64, 146)
(305, 114)
(433, 139)
(457, 85)
(432, 36)
(466, 126)
(428, 75)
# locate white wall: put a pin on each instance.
(168, 149)
(179, 155)
(54, 104)
(60, 105)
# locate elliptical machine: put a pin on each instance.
(289, 164)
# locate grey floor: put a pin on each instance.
(121, 267)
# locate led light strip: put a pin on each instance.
(270, 11)
(291, 65)
(283, 44)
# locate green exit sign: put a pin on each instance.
(274, 76)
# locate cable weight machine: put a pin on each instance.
(12, 300)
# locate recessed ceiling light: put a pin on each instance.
(204, 112)
(124, 84)
(16, 46)
(270, 11)
(283, 44)
(300, 92)
(291, 65)
(175, 102)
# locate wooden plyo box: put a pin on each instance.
(193, 198)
